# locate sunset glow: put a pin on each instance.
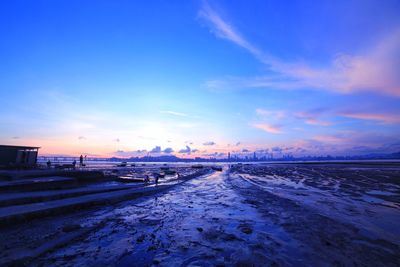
(201, 78)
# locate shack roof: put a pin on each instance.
(19, 147)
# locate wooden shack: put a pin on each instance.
(18, 156)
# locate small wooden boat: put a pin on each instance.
(133, 179)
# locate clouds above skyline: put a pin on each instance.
(157, 149)
(168, 150)
(186, 150)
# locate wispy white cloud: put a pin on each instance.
(376, 70)
(174, 113)
(222, 29)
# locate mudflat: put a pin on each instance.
(246, 215)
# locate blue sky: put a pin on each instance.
(201, 78)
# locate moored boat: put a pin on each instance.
(133, 179)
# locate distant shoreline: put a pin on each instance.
(129, 162)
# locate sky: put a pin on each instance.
(201, 78)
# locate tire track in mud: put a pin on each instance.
(322, 240)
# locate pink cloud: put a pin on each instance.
(279, 114)
(312, 121)
(331, 139)
(384, 118)
(374, 70)
(310, 118)
(267, 128)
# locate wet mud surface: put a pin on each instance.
(250, 215)
(341, 215)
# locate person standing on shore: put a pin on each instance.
(81, 160)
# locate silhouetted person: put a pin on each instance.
(81, 160)
(156, 177)
(48, 164)
(74, 164)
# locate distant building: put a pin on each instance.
(18, 156)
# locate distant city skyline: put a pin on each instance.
(395, 157)
(201, 78)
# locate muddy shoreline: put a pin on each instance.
(324, 241)
(249, 215)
